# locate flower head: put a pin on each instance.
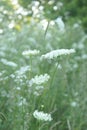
(39, 79)
(40, 115)
(8, 63)
(30, 52)
(74, 104)
(56, 53)
(61, 24)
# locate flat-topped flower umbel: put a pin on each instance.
(55, 53)
(30, 52)
(40, 115)
(39, 79)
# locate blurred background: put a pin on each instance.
(43, 26)
(17, 12)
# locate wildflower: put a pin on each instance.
(30, 52)
(1, 31)
(84, 56)
(39, 87)
(22, 101)
(2, 53)
(60, 24)
(36, 93)
(39, 79)
(76, 25)
(8, 63)
(40, 115)
(74, 104)
(20, 76)
(44, 24)
(23, 70)
(38, 90)
(11, 25)
(58, 7)
(56, 53)
(2, 72)
(59, 66)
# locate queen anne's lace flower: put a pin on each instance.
(23, 70)
(74, 104)
(60, 24)
(8, 63)
(56, 53)
(30, 52)
(42, 116)
(39, 79)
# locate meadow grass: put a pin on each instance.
(38, 93)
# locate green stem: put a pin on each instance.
(46, 29)
(2, 116)
(53, 75)
(30, 75)
(23, 113)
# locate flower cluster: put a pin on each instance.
(60, 24)
(74, 104)
(30, 52)
(23, 70)
(8, 63)
(39, 79)
(20, 76)
(38, 90)
(40, 115)
(56, 53)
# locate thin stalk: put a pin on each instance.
(54, 125)
(46, 29)
(43, 125)
(2, 116)
(30, 66)
(53, 75)
(68, 124)
(23, 114)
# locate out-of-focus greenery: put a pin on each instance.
(76, 9)
(73, 10)
(68, 9)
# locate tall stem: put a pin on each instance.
(23, 113)
(53, 75)
(46, 29)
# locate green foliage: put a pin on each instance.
(76, 8)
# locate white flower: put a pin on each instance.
(56, 53)
(74, 104)
(39, 87)
(44, 24)
(38, 90)
(30, 52)
(60, 24)
(11, 25)
(39, 79)
(1, 31)
(8, 63)
(22, 101)
(76, 25)
(23, 70)
(36, 93)
(84, 56)
(42, 116)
